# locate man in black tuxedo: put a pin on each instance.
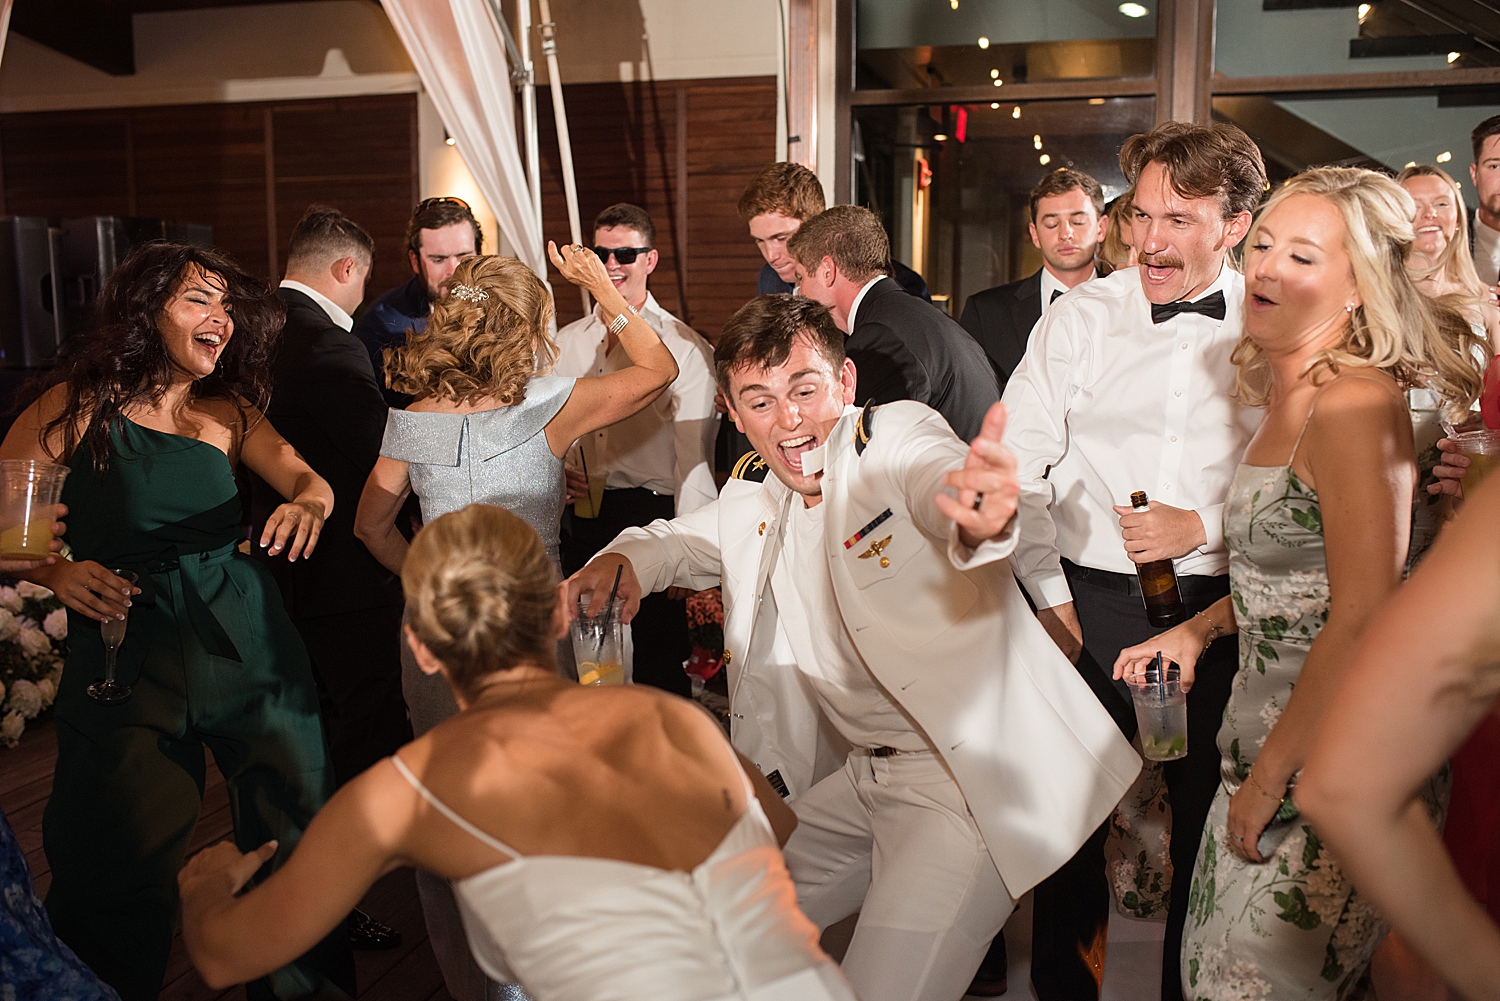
(326, 404)
(902, 348)
(1067, 225)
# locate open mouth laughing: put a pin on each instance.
(793, 449)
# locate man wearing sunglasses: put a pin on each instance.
(442, 233)
(657, 463)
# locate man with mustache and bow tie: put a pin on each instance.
(868, 604)
(1127, 385)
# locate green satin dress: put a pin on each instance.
(213, 660)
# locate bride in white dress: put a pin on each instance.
(604, 843)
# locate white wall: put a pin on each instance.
(612, 40)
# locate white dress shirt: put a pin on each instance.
(668, 447)
(851, 698)
(1105, 403)
(859, 298)
(1051, 285)
(334, 310)
(1486, 252)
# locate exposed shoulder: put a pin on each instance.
(1362, 392)
(1359, 412)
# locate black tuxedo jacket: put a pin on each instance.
(905, 349)
(324, 401)
(1001, 319)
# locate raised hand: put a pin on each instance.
(581, 266)
(599, 576)
(988, 486)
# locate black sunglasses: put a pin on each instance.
(625, 255)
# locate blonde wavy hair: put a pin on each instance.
(1398, 330)
(485, 343)
(1455, 263)
(480, 594)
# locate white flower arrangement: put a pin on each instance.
(31, 656)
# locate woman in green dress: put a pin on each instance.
(1318, 523)
(153, 410)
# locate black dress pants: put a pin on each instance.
(659, 630)
(1070, 919)
(356, 661)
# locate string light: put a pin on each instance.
(1133, 10)
(1044, 159)
(1036, 141)
(1096, 100)
(1444, 156)
(994, 74)
(941, 137)
(995, 106)
(1453, 56)
(1016, 113)
(984, 42)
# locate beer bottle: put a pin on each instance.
(1163, 598)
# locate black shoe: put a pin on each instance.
(368, 935)
(989, 979)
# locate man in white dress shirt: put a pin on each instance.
(1485, 173)
(657, 463)
(866, 591)
(1127, 385)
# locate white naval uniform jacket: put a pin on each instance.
(944, 630)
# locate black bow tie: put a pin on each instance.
(1055, 293)
(1211, 306)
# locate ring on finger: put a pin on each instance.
(978, 500)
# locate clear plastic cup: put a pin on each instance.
(29, 494)
(1161, 711)
(599, 643)
(1483, 450)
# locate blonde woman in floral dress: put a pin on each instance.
(1317, 523)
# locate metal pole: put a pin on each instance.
(548, 29)
(528, 116)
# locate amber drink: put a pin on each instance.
(29, 494)
(1164, 606)
(1482, 448)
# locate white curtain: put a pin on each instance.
(459, 53)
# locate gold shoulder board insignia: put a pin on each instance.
(749, 467)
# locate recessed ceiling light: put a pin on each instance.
(984, 42)
(1044, 159)
(1096, 100)
(1016, 113)
(995, 106)
(1453, 56)
(953, 4)
(1133, 10)
(1444, 156)
(1364, 12)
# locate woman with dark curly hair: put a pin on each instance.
(153, 410)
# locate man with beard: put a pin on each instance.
(1126, 385)
(867, 599)
(1485, 173)
(442, 233)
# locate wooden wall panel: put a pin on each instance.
(67, 164)
(208, 163)
(357, 155)
(683, 150)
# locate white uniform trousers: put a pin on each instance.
(892, 838)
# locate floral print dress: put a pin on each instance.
(1293, 926)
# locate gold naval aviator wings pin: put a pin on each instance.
(876, 548)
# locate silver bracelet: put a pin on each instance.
(619, 323)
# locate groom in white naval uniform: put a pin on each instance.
(867, 591)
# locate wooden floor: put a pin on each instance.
(408, 973)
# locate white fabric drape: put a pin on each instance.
(459, 54)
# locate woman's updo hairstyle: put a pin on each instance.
(486, 337)
(480, 594)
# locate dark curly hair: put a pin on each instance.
(121, 360)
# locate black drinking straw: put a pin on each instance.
(1161, 676)
(609, 606)
(583, 458)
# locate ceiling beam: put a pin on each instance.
(96, 32)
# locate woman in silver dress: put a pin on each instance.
(488, 426)
(1317, 524)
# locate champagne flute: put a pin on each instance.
(112, 631)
